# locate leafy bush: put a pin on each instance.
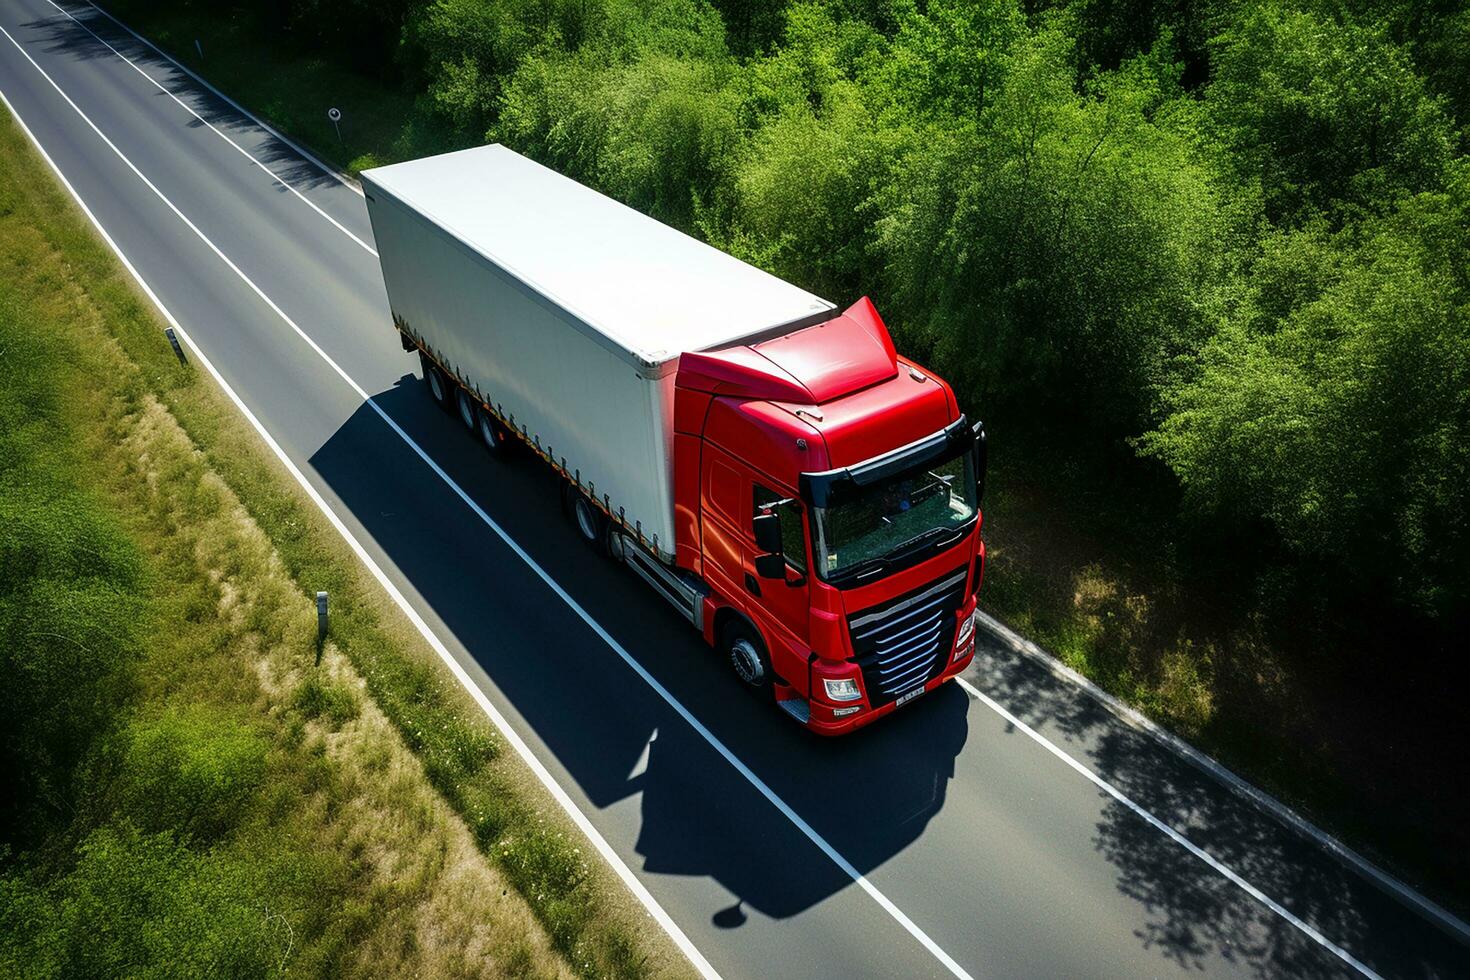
(139, 904)
(68, 609)
(192, 771)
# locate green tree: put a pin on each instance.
(752, 25)
(1062, 250)
(817, 152)
(949, 58)
(654, 132)
(1336, 402)
(465, 49)
(1324, 115)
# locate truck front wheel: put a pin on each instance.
(435, 382)
(747, 655)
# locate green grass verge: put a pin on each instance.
(218, 467)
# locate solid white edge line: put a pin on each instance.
(710, 738)
(236, 146)
(624, 873)
(315, 160)
(1174, 835)
(1273, 807)
(1396, 888)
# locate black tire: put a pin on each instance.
(466, 408)
(492, 434)
(746, 654)
(591, 523)
(436, 384)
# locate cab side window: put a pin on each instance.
(793, 538)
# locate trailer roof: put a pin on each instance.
(652, 291)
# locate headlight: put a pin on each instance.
(841, 688)
(967, 629)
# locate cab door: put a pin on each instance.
(724, 507)
(783, 605)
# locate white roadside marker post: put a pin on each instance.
(321, 625)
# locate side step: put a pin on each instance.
(798, 708)
(683, 590)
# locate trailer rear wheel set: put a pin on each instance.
(456, 399)
(434, 379)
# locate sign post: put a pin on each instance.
(335, 115)
(321, 625)
(173, 342)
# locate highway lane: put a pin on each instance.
(1008, 860)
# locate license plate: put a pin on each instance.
(905, 699)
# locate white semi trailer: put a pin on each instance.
(566, 311)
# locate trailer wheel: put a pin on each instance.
(742, 646)
(491, 434)
(468, 410)
(435, 382)
(591, 523)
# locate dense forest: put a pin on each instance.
(1219, 250)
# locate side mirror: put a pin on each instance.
(770, 566)
(768, 533)
(981, 461)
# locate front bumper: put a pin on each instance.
(820, 719)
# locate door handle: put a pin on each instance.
(751, 585)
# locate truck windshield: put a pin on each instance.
(897, 521)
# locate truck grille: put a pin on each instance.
(905, 642)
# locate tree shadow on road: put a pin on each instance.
(1195, 913)
(83, 39)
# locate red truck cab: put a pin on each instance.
(828, 492)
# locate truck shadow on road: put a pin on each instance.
(868, 796)
(698, 816)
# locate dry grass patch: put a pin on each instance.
(438, 908)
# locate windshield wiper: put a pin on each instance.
(865, 567)
(918, 541)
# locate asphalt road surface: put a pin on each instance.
(1012, 828)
